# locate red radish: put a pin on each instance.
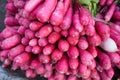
(64, 33)
(56, 55)
(116, 15)
(67, 20)
(76, 22)
(6, 63)
(19, 3)
(36, 49)
(25, 66)
(73, 52)
(114, 57)
(57, 28)
(28, 49)
(67, 3)
(48, 74)
(30, 5)
(29, 34)
(33, 42)
(10, 21)
(16, 51)
(44, 58)
(104, 60)
(110, 72)
(73, 63)
(95, 75)
(72, 77)
(22, 58)
(104, 76)
(73, 40)
(8, 32)
(40, 70)
(58, 14)
(102, 2)
(42, 42)
(92, 51)
(59, 76)
(59, 66)
(93, 65)
(13, 40)
(3, 55)
(103, 30)
(28, 73)
(73, 32)
(21, 30)
(24, 41)
(35, 25)
(35, 63)
(49, 67)
(64, 47)
(94, 40)
(41, 13)
(85, 57)
(44, 31)
(54, 37)
(10, 7)
(110, 12)
(82, 43)
(48, 49)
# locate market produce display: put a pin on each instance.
(62, 39)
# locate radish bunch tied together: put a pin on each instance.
(62, 39)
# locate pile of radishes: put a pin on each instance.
(61, 40)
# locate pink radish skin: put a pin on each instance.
(41, 13)
(115, 27)
(73, 63)
(24, 41)
(35, 25)
(93, 65)
(56, 55)
(92, 51)
(42, 42)
(96, 38)
(44, 58)
(73, 32)
(40, 70)
(102, 2)
(85, 57)
(30, 5)
(10, 7)
(25, 66)
(13, 40)
(59, 66)
(48, 49)
(110, 12)
(72, 40)
(21, 30)
(54, 37)
(8, 32)
(22, 58)
(33, 42)
(49, 67)
(6, 63)
(104, 60)
(58, 14)
(57, 29)
(73, 52)
(67, 20)
(44, 31)
(110, 72)
(64, 47)
(116, 16)
(29, 34)
(3, 55)
(72, 77)
(103, 30)
(16, 51)
(76, 22)
(114, 57)
(36, 49)
(67, 5)
(48, 74)
(28, 73)
(51, 78)
(10, 21)
(82, 43)
(95, 75)
(28, 49)
(35, 63)
(104, 76)
(19, 3)
(64, 33)
(59, 76)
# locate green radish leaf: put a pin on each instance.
(84, 1)
(95, 1)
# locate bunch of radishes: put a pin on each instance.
(61, 40)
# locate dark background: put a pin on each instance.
(6, 73)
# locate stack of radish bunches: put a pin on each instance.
(62, 39)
